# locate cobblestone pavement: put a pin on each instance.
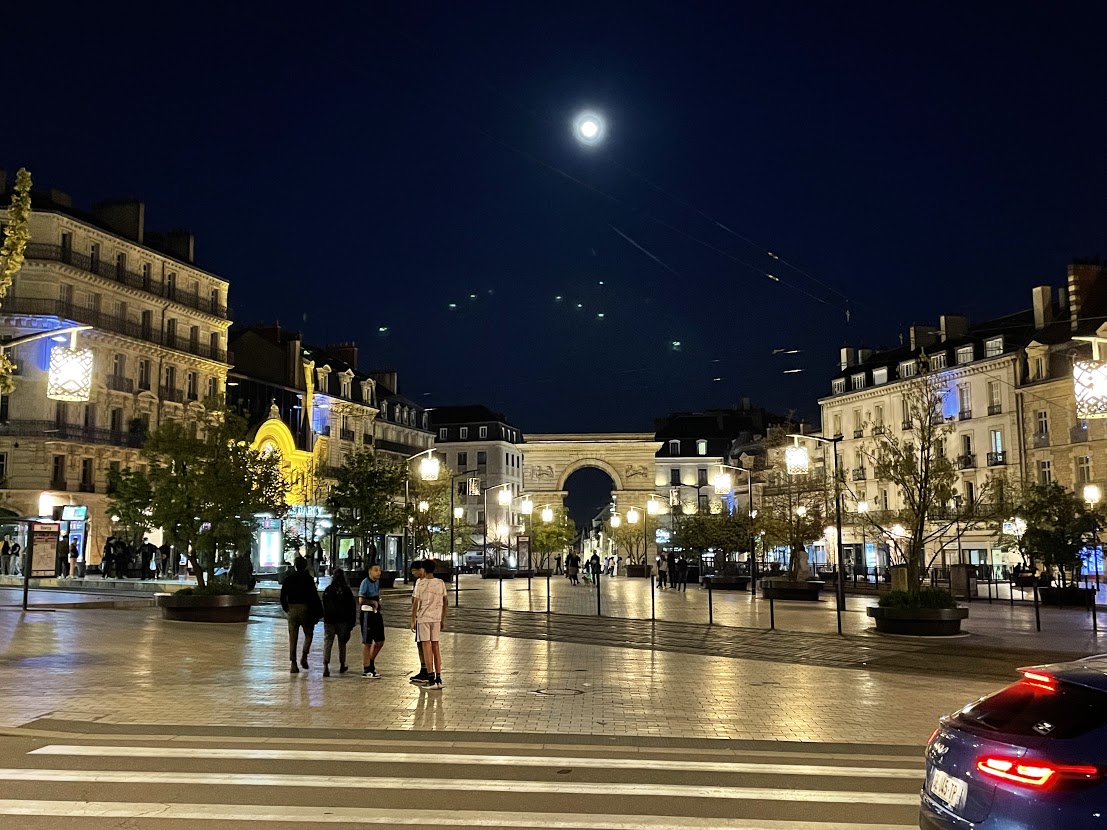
(129, 666)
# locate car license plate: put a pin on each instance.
(952, 791)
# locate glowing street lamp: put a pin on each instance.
(722, 482)
(589, 128)
(504, 497)
(459, 512)
(526, 506)
(1092, 494)
(632, 516)
(801, 511)
(70, 374)
(429, 468)
(424, 506)
(616, 520)
(547, 514)
(1089, 381)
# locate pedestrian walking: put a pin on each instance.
(339, 617)
(372, 621)
(320, 561)
(242, 570)
(17, 558)
(557, 564)
(423, 676)
(428, 619)
(74, 557)
(107, 557)
(594, 562)
(6, 556)
(572, 564)
(662, 571)
(301, 602)
(122, 558)
(145, 558)
(682, 573)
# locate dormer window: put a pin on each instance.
(880, 376)
(674, 447)
(367, 392)
(384, 409)
(993, 346)
(839, 386)
(701, 447)
(857, 381)
(464, 433)
(964, 354)
(907, 369)
(322, 375)
(482, 432)
(346, 383)
(938, 361)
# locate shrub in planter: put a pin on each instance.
(923, 613)
(922, 598)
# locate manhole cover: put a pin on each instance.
(558, 692)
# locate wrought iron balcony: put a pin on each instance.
(53, 431)
(1078, 434)
(879, 429)
(168, 393)
(1041, 439)
(964, 414)
(58, 484)
(997, 459)
(118, 383)
(346, 434)
(907, 425)
(859, 474)
(110, 271)
(859, 433)
(87, 487)
(109, 322)
(966, 461)
(995, 409)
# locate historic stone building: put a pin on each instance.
(158, 337)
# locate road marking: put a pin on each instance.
(373, 815)
(582, 762)
(219, 779)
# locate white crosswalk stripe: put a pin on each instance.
(481, 786)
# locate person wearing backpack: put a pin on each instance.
(339, 618)
(301, 603)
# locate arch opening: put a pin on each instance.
(588, 490)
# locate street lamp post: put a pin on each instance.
(1092, 496)
(504, 498)
(428, 471)
(862, 510)
(797, 461)
(723, 485)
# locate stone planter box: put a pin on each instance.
(640, 571)
(223, 608)
(497, 573)
(918, 622)
(727, 583)
(804, 591)
(1071, 595)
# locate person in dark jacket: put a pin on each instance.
(301, 602)
(339, 618)
(242, 571)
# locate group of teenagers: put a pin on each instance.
(341, 611)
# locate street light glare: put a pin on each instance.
(588, 127)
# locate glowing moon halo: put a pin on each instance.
(588, 128)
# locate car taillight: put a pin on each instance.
(1039, 681)
(1035, 773)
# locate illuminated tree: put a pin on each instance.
(16, 235)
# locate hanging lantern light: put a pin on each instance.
(503, 498)
(429, 467)
(547, 514)
(1089, 381)
(653, 506)
(722, 483)
(526, 506)
(632, 515)
(70, 377)
(615, 520)
(796, 460)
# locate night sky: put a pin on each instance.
(353, 173)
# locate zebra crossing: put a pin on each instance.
(142, 781)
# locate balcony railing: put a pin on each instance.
(997, 459)
(966, 461)
(964, 414)
(109, 322)
(327, 471)
(995, 409)
(168, 393)
(906, 425)
(53, 431)
(87, 487)
(118, 383)
(859, 433)
(1041, 439)
(111, 271)
(367, 439)
(1078, 434)
(58, 484)
(346, 434)
(859, 474)
(878, 429)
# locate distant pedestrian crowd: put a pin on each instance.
(342, 612)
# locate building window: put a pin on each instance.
(119, 365)
(171, 285)
(215, 304)
(880, 375)
(345, 387)
(171, 331)
(212, 387)
(674, 476)
(839, 386)
(993, 347)
(86, 471)
(1043, 421)
(57, 472)
(120, 265)
(674, 447)
(1084, 469)
(116, 424)
(857, 381)
(938, 361)
(462, 460)
(970, 493)
(193, 386)
(996, 441)
(966, 444)
(482, 432)
(1045, 472)
(94, 256)
(170, 377)
(964, 399)
(213, 344)
(464, 433)
(907, 369)
(66, 245)
(482, 457)
(701, 447)
(147, 325)
(858, 423)
(5, 407)
(1040, 368)
(964, 354)
(995, 404)
(4, 467)
(442, 433)
(701, 476)
(143, 373)
(837, 421)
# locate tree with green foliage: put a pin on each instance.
(555, 536)
(130, 497)
(205, 485)
(17, 234)
(367, 499)
(1059, 525)
(632, 538)
(725, 533)
(432, 527)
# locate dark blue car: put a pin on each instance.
(1032, 755)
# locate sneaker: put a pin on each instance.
(326, 671)
(366, 673)
(374, 675)
(420, 679)
(343, 669)
(435, 684)
(438, 681)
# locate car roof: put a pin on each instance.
(1088, 671)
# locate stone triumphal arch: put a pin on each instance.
(627, 457)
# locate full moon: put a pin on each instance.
(588, 127)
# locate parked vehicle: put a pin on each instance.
(1032, 755)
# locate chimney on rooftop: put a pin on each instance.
(922, 336)
(346, 352)
(848, 357)
(953, 326)
(1042, 295)
(60, 197)
(1083, 277)
(127, 217)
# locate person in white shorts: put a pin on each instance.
(428, 619)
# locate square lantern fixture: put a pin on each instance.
(429, 467)
(70, 376)
(1089, 381)
(796, 460)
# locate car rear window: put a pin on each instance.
(1067, 711)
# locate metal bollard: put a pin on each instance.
(653, 609)
(596, 576)
(710, 607)
(457, 587)
(547, 593)
(1037, 612)
(501, 581)
(772, 615)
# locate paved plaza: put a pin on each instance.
(113, 717)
